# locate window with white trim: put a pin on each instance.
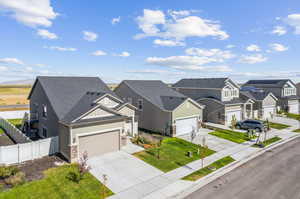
(140, 104)
(44, 111)
(44, 132)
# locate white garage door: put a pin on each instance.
(294, 108)
(99, 144)
(268, 111)
(184, 126)
(230, 114)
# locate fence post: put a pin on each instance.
(18, 153)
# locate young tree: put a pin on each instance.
(204, 149)
(103, 186)
(193, 135)
(83, 166)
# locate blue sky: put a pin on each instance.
(150, 39)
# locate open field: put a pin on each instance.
(14, 94)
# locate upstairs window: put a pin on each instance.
(140, 104)
(44, 111)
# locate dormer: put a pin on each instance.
(230, 91)
(289, 89)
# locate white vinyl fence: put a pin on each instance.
(28, 151)
(13, 132)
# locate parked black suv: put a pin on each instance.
(256, 125)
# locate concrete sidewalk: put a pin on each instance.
(170, 184)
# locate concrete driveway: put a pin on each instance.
(122, 169)
(213, 142)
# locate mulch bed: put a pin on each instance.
(34, 169)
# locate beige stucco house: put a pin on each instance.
(83, 112)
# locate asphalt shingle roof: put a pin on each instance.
(268, 83)
(202, 83)
(65, 92)
(255, 95)
(157, 93)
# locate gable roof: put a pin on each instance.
(157, 92)
(64, 92)
(276, 83)
(257, 96)
(218, 83)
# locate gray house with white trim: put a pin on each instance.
(160, 108)
(284, 89)
(221, 97)
(83, 112)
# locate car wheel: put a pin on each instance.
(257, 130)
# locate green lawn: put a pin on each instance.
(1, 131)
(293, 116)
(173, 154)
(56, 185)
(278, 126)
(209, 169)
(16, 122)
(232, 136)
(297, 131)
(268, 142)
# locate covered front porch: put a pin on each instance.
(248, 111)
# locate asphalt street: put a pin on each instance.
(273, 175)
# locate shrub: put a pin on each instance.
(7, 171)
(17, 179)
(74, 176)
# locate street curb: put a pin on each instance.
(221, 172)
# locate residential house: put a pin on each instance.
(265, 102)
(298, 89)
(221, 97)
(284, 89)
(160, 108)
(83, 112)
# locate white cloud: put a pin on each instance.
(99, 53)
(195, 59)
(253, 48)
(11, 61)
(3, 68)
(147, 23)
(30, 12)
(90, 36)
(116, 20)
(294, 21)
(278, 47)
(217, 55)
(169, 43)
(179, 13)
(58, 48)
(29, 68)
(253, 59)
(45, 34)
(157, 72)
(230, 46)
(279, 30)
(40, 65)
(155, 23)
(123, 54)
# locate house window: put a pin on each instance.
(44, 132)
(140, 104)
(44, 111)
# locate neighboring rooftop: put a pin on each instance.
(267, 83)
(202, 83)
(157, 92)
(65, 92)
(254, 95)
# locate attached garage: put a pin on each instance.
(294, 106)
(232, 113)
(268, 111)
(99, 143)
(185, 126)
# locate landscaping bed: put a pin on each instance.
(4, 139)
(267, 142)
(57, 185)
(293, 116)
(209, 169)
(278, 126)
(172, 154)
(232, 136)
